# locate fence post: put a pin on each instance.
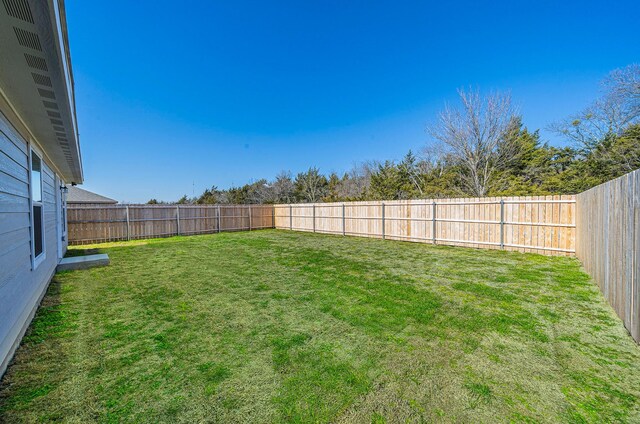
(178, 219)
(290, 217)
(501, 223)
(219, 228)
(273, 217)
(383, 221)
(433, 221)
(343, 221)
(249, 217)
(128, 225)
(314, 218)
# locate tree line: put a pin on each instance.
(480, 148)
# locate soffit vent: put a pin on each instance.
(18, 9)
(36, 62)
(53, 114)
(50, 105)
(28, 39)
(56, 121)
(58, 128)
(47, 93)
(41, 79)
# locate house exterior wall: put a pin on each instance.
(21, 286)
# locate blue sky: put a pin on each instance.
(174, 97)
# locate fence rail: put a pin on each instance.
(127, 222)
(544, 224)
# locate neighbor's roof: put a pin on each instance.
(78, 195)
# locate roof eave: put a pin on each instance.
(37, 80)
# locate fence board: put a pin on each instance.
(127, 222)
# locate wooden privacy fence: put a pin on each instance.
(539, 224)
(608, 244)
(128, 222)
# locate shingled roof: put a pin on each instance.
(78, 195)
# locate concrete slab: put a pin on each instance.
(83, 262)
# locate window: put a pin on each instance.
(36, 206)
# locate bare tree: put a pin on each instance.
(283, 188)
(356, 182)
(473, 134)
(433, 159)
(609, 115)
(260, 192)
(624, 83)
(414, 169)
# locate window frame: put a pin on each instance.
(36, 260)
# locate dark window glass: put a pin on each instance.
(37, 229)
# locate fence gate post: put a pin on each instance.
(314, 218)
(383, 236)
(218, 209)
(290, 217)
(343, 227)
(128, 225)
(249, 217)
(501, 223)
(433, 221)
(178, 219)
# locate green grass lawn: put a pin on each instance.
(273, 326)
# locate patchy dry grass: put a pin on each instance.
(276, 326)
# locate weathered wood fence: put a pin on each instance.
(128, 222)
(542, 224)
(608, 244)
